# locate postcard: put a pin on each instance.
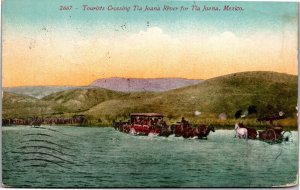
(149, 94)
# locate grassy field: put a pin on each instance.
(268, 92)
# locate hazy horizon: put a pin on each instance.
(88, 85)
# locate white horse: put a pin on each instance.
(241, 132)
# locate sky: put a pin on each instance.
(42, 45)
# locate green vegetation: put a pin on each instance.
(21, 106)
(267, 92)
(79, 100)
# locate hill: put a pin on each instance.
(238, 91)
(78, 100)
(142, 85)
(68, 102)
(22, 106)
(268, 92)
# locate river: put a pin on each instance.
(64, 156)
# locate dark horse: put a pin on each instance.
(189, 132)
(166, 131)
(252, 133)
(203, 131)
(36, 122)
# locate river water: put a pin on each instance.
(62, 156)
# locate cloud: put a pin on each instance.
(152, 37)
(152, 41)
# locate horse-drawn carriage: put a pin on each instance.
(142, 124)
(272, 134)
(152, 124)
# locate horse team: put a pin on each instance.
(272, 134)
(180, 129)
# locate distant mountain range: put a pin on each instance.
(143, 84)
(116, 84)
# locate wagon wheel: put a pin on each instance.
(271, 135)
(287, 135)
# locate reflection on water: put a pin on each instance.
(101, 157)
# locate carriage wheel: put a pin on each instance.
(271, 135)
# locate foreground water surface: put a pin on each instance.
(62, 156)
